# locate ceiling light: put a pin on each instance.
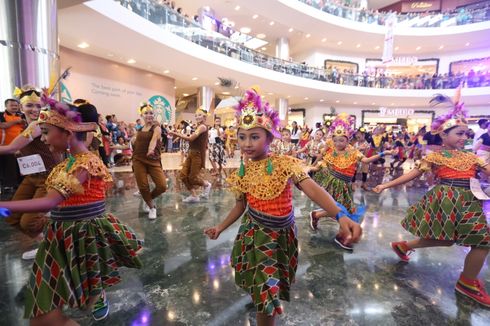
(441, 47)
(261, 36)
(397, 48)
(236, 87)
(321, 100)
(166, 71)
(194, 78)
(324, 40)
(131, 61)
(376, 47)
(264, 48)
(339, 43)
(467, 44)
(271, 23)
(354, 103)
(358, 46)
(83, 45)
(290, 29)
(237, 8)
(308, 35)
(225, 93)
(217, 83)
(110, 54)
(289, 96)
(373, 103)
(255, 16)
(337, 101)
(245, 30)
(175, 87)
(417, 48)
(392, 104)
(185, 94)
(270, 93)
(306, 98)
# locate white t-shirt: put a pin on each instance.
(295, 135)
(213, 133)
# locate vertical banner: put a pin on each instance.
(388, 43)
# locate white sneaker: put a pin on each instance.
(146, 208)
(191, 199)
(152, 214)
(206, 191)
(137, 194)
(29, 255)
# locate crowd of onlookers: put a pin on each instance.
(420, 81)
(354, 11)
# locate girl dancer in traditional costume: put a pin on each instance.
(449, 213)
(196, 159)
(147, 160)
(265, 253)
(33, 151)
(337, 169)
(83, 246)
(283, 146)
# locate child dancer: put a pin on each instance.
(337, 169)
(265, 252)
(147, 161)
(283, 146)
(83, 246)
(29, 145)
(449, 213)
(196, 159)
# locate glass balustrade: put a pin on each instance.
(170, 20)
(444, 19)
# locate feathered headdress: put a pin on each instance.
(251, 112)
(63, 116)
(455, 117)
(27, 94)
(144, 107)
(342, 126)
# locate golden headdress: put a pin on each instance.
(342, 126)
(64, 116)
(144, 107)
(252, 113)
(27, 94)
(455, 117)
(202, 110)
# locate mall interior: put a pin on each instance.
(378, 62)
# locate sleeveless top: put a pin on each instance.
(140, 148)
(200, 143)
(36, 146)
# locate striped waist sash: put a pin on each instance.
(340, 176)
(273, 222)
(463, 183)
(79, 212)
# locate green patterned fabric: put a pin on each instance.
(449, 213)
(340, 190)
(77, 260)
(265, 262)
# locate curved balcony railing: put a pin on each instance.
(443, 19)
(170, 20)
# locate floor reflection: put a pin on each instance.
(187, 279)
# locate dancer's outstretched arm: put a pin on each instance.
(399, 181)
(350, 230)
(235, 213)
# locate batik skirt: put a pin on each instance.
(265, 259)
(449, 213)
(337, 186)
(217, 154)
(77, 260)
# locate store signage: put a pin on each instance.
(420, 5)
(386, 112)
(404, 61)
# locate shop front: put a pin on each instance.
(397, 118)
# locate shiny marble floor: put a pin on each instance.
(187, 279)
